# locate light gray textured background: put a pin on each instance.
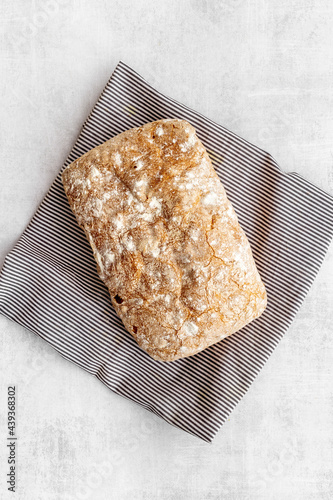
(262, 68)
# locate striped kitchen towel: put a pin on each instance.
(49, 282)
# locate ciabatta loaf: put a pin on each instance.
(166, 239)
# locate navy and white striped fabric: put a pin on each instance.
(49, 282)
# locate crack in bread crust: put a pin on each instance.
(165, 238)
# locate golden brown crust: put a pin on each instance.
(166, 239)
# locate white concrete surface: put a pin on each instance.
(265, 70)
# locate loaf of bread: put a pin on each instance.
(166, 239)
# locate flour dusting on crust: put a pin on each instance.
(166, 239)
